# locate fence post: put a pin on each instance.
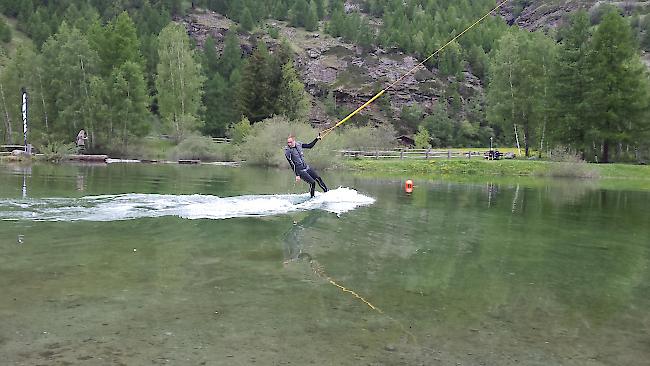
(426, 156)
(376, 154)
(448, 154)
(401, 154)
(469, 154)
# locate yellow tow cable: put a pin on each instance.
(330, 129)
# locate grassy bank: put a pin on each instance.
(482, 167)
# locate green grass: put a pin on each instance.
(156, 149)
(506, 168)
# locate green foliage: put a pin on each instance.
(618, 95)
(450, 61)
(201, 148)
(5, 32)
(71, 63)
(422, 138)
(55, 151)
(311, 18)
(247, 22)
(293, 100)
(256, 89)
(422, 26)
(572, 79)
(517, 93)
(439, 126)
(352, 27)
(366, 137)
(264, 144)
(179, 81)
(240, 130)
(410, 117)
(231, 57)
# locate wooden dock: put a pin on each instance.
(86, 158)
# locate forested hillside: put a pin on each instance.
(127, 69)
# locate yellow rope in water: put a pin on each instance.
(373, 307)
(320, 272)
(328, 130)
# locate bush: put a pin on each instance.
(564, 154)
(368, 138)
(264, 145)
(202, 148)
(239, 131)
(54, 151)
(569, 164)
(572, 170)
(267, 139)
(5, 32)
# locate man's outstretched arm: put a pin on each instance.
(311, 144)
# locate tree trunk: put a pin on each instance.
(9, 138)
(605, 157)
(47, 126)
(526, 138)
(517, 138)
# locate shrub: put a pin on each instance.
(265, 143)
(54, 151)
(267, 139)
(368, 138)
(202, 148)
(564, 154)
(422, 138)
(239, 131)
(572, 170)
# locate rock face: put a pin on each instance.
(541, 14)
(330, 64)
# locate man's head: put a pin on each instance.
(291, 141)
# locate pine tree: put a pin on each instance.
(571, 78)
(311, 18)
(5, 32)
(617, 97)
(210, 56)
(256, 88)
(246, 20)
(451, 61)
(231, 57)
(217, 109)
(115, 43)
(293, 101)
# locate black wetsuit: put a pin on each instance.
(297, 162)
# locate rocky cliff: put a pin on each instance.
(330, 64)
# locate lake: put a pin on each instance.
(130, 264)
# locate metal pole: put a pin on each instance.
(24, 110)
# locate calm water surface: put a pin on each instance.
(507, 273)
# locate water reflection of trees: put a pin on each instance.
(569, 251)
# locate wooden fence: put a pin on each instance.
(412, 154)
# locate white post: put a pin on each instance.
(24, 110)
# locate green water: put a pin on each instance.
(507, 273)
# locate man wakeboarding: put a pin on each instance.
(296, 158)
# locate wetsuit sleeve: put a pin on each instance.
(310, 145)
(287, 154)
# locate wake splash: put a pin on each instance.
(134, 206)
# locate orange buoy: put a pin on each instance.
(408, 187)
